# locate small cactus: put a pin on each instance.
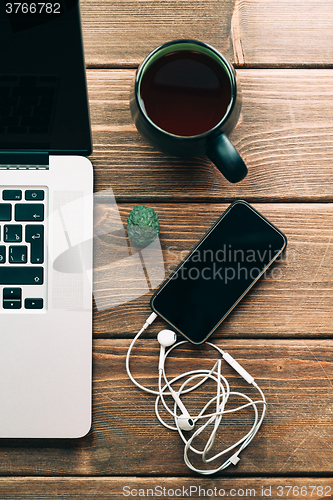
(142, 226)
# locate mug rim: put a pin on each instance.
(231, 74)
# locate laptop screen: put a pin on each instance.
(43, 96)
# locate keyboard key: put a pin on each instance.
(29, 100)
(16, 130)
(12, 293)
(28, 80)
(37, 194)
(42, 111)
(29, 212)
(4, 90)
(2, 254)
(13, 233)
(22, 111)
(21, 275)
(8, 100)
(33, 121)
(18, 254)
(38, 130)
(5, 110)
(11, 194)
(32, 91)
(33, 303)
(45, 101)
(48, 78)
(34, 234)
(9, 121)
(11, 304)
(8, 78)
(5, 211)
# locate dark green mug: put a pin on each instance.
(185, 100)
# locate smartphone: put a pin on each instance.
(205, 287)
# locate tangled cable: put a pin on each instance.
(186, 422)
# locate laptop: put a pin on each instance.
(46, 223)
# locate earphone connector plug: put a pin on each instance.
(149, 320)
(234, 459)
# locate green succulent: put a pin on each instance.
(142, 226)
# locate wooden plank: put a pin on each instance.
(286, 33)
(123, 32)
(295, 298)
(250, 32)
(126, 438)
(159, 487)
(285, 135)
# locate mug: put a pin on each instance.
(185, 100)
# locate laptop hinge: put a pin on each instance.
(24, 160)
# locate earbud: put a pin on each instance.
(166, 338)
(184, 420)
(185, 423)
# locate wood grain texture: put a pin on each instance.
(285, 135)
(294, 298)
(249, 32)
(122, 32)
(178, 487)
(126, 438)
(283, 33)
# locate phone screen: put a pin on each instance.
(218, 272)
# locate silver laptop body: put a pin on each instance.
(46, 227)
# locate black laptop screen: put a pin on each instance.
(43, 96)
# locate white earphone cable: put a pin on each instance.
(223, 393)
(148, 322)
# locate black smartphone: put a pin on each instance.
(218, 272)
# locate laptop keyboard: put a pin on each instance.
(22, 248)
(27, 103)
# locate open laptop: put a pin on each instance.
(46, 223)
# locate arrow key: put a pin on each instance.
(33, 303)
(12, 293)
(11, 304)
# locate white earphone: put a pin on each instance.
(167, 338)
(193, 380)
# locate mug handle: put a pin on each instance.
(225, 157)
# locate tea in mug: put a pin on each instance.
(186, 93)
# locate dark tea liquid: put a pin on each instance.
(185, 93)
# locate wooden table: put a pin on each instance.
(282, 331)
